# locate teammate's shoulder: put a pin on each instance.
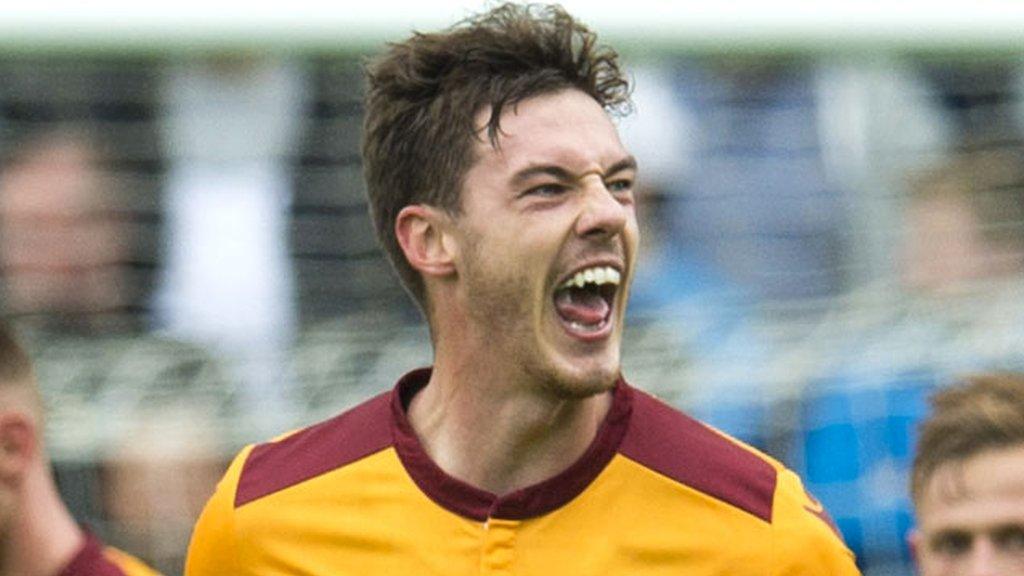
(94, 558)
(129, 565)
(307, 453)
(675, 445)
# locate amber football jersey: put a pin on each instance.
(95, 559)
(655, 493)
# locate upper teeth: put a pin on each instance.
(597, 275)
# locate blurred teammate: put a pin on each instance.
(504, 198)
(968, 480)
(38, 536)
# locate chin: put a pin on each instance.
(581, 382)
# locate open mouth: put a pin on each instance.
(585, 301)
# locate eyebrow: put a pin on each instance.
(951, 532)
(520, 177)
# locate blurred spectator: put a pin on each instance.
(965, 222)
(789, 187)
(968, 480)
(230, 130)
(758, 202)
(38, 535)
(877, 120)
(63, 249)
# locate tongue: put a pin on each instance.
(581, 306)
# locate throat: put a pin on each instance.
(504, 444)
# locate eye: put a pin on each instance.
(622, 190)
(620, 185)
(1010, 539)
(546, 190)
(952, 544)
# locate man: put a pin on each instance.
(963, 225)
(64, 253)
(968, 480)
(38, 536)
(504, 197)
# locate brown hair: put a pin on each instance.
(979, 413)
(423, 96)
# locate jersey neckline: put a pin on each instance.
(529, 502)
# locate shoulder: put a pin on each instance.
(129, 565)
(264, 469)
(693, 454)
(95, 559)
(675, 445)
(806, 539)
(349, 437)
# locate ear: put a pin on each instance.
(19, 445)
(914, 543)
(425, 239)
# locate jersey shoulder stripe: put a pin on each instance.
(349, 437)
(675, 445)
(95, 559)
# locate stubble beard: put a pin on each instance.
(566, 389)
(501, 304)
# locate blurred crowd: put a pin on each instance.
(184, 245)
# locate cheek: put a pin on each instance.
(516, 258)
(494, 284)
(933, 565)
(632, 232)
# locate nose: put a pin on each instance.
(983, 560)
(601, 214)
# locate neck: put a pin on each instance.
(44, 537)
(495, 431)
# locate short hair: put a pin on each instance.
(979, 413)
(423, 96)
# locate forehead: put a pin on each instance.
(982, 491)
(568, 127)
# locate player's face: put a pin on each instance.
(549, 236)
(971, 517)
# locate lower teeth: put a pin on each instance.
(586, 327)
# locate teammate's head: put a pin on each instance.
(424, 96)
(968, 479)
(20, 415)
